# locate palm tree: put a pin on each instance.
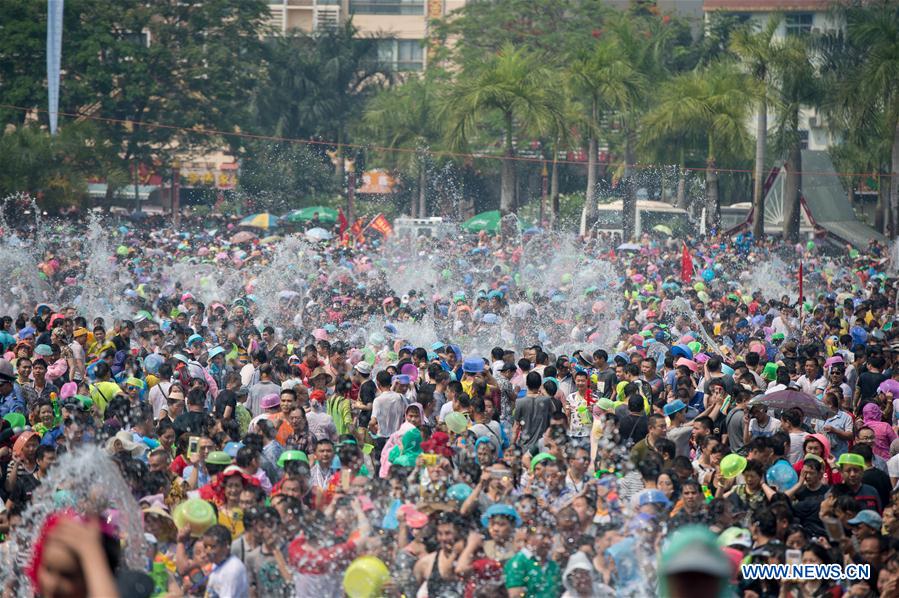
(876, 25)
(609, 83)
(648, 45)
(758, 48)
(798, 85)
(319, 83)
(509, 85)
(708, 109)
(404, 117)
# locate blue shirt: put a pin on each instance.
(12, 403)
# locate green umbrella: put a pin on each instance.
(487, 221)
(325, 215)
(663, 228)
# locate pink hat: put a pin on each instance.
(320, 334)
(414, 518)
(832, 360)
(68, 390)
(689, 363)
(701, 358)
(637, 340)
(410, 370)
(270, 401)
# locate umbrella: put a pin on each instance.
(263, 220)
(662, 228)
(270, 239)
(789, 398)
(629, 247)
(318, 234)
(243, 236)
(326, 215)
(489, 221)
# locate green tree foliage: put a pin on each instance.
(189, 64)
(53, 170)
(505, 88)
(707, 106)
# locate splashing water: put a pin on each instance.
(769, 277)
(103, 278)
(87, 481)
(680, 306)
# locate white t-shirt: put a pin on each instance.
(796, 441)
(389, 408)
(812, 387)
(893, 468)
(78, 357)
(159, 397)
(228, 580)
(577, 427)
(445, 410)
(756, 430)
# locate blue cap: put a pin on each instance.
(194, 338)
(473, 365)
(653, 497)
(674, 406)
(215, 351)
(500, 510)
(458, 492)
(152, 362)
(489, 318)
(867, 517)
(436, 346)
(231, 448)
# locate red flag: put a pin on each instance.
(356, 229)
(686, 265)
(801, 294)
(382, 225)
(341, 219)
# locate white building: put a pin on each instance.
(800, 17)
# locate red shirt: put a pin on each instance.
(320, 561)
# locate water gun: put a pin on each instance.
(707, 493)
(57, 415)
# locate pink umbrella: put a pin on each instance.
(889, 387)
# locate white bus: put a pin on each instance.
(609, 218)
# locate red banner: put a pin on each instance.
(382, 225)
(686, 265)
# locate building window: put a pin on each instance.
(799, 24)
(803, 139)
(401, 54)
(387, 7)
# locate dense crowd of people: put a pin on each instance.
(472, 416)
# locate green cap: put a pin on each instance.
(135, 382)
(605, 404)
(86, 402)
(218, 458)
(540, 458)
(732, 465)
(292, 455)
(770, 371)
(778, 336)
(851, 459)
